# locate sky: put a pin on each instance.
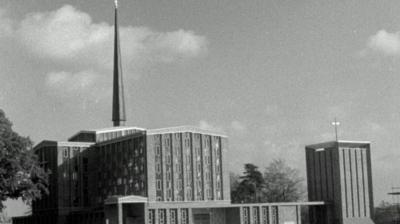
(271, 74)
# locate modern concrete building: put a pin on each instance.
(127, 175)
(340, 172)
(179, 175)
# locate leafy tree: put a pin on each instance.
(282, 183)
(279, 183)
(234, 182)
(250, 186)
(21, 175)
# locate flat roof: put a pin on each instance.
(119, 199)
(181, 129)
(227, 204)
(105, 130)
(340, 142)
(62, 143)
(119, 128)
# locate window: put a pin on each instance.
(136, 169)
(208, 176)
(162, 216)
(66, 153)
(169, 193)
(125, 171)
(168, 159)
(265, 214)
(141, 167)
(246, 217)
(158, 150)
(151, 217)
(256, 215)
(179, 184)
(189, 194)
(158, 184)
(184, 216)
(158, 167)
(173, 216)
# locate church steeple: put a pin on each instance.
(118, 110)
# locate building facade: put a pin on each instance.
(340, 172)
(179, 175)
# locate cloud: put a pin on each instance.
(73, 81)
(203, 124)
(238, 126)
(78, 49)
(385, 42)
(69, 34)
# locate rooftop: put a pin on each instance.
(180, 129)
(340, 142)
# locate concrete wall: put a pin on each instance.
(187, 166)
(340, 172)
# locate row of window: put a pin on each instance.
(187, 141)
(173, 215)
(74, 150)
(188, 169)
(264, 217)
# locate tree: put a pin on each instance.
(234, 183)
(282, 183)
(21, 175)
(279, 183)
(250, 186)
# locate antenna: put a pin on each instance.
(336, 124)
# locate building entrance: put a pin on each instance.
(201, 218)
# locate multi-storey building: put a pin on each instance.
(132, 175)
(340, 172)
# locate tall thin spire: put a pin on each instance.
(118, 110)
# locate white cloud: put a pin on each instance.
(385, 42)
(203, 124)
(68, 33)
(238, 126)
(71, 83)
(68, 39)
